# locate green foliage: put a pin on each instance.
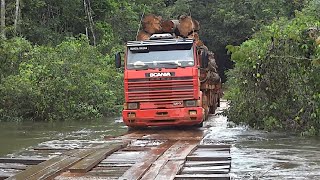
(13, 52)
(275, 83)
(71, 81)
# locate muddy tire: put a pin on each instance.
(218, 102)
(213, 109)
(199, 125)
(135, 128)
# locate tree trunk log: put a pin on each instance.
(187, 25)
(142, 36)
(152, 24)
(169, 26)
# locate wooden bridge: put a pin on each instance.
(160, 154)
(145, 154)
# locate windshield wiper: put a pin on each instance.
(140, 66)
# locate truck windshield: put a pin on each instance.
(160, 56)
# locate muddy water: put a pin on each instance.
(261, 155)
(255, 154)
(15, 137)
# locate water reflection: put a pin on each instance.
(15, 137)
(262, 155)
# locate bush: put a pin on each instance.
(72, 81)
(275, 83)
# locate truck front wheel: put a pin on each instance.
(199, 125)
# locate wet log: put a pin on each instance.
(209, 158)
(27, 161)
(139, 169)
(93, 159)
(13, 166)
(169, 26)
(203, 176)
(52, 167)
(142, 36)
(5, 175)
(152, 24)
(170, 163)
(212, 65)
(187, 25)
(207, 163)
(195, 36)
(215, 146)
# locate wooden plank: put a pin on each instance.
(93, 159)
(178, 151)
(27, 161)
(214, 149)
(136, 148)
(139, 169)
(106, 173)
(115, 165)
(56, 169)
(217, 171)
(207, 163)
(206, 168)
(13, 166)
(5, 175)
(204, 153)
(228, 146)
(52, 149)
(203, 158)
(48, 169)
(204, 176)
(170, 170)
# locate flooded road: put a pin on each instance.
(263, 155)
(255, 154)
(16, 137)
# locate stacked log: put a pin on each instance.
(151, 24)
(143, 35)
(187, 25)
(212, 70)
(195, 36)
(169, 26)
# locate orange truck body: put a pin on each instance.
(166, 93)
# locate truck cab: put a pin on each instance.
(162, 83)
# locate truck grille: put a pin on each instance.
(160, 89)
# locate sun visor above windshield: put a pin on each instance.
(160, 42)
(160, 47)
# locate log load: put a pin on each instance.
(169, 26)
(152, 24)
(195, 36)
(143, 35)
(187, 25)
(213, 69)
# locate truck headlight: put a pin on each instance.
(132, 106)
(191, 103)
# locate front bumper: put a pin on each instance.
(163, 117)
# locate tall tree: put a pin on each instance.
(16, 18)
(3, 18)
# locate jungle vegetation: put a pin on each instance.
(56, 57)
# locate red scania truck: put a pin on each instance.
(167, 83)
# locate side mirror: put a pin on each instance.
(204, 59)
(118, 60)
